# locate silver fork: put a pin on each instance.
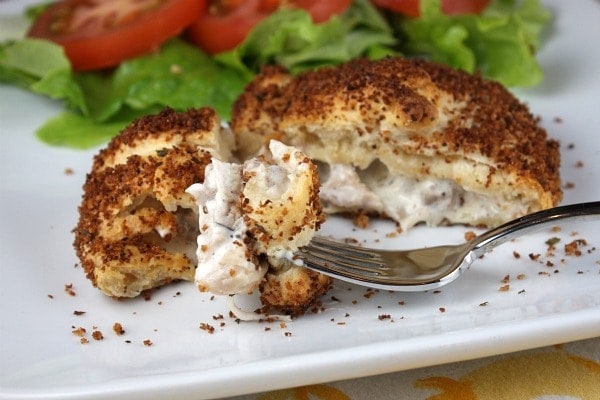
(427, 268)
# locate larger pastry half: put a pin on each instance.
(408, 139)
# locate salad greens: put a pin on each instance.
(500, 43)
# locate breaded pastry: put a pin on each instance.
(163, 203)
(137, 226)
(408, 139)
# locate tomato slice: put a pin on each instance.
(411, 8)
(102, 33)
(226, 23)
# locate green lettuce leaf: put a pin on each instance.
(43, 68)
(500, 43)
(101, 103)
(290, 38)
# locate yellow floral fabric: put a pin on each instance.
(563, 372)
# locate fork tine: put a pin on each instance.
(324, 244)
(342, 258)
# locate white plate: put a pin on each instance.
(350, 337)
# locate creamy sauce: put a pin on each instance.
(407, 200)
(225, 264)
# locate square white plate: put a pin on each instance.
(553, 299)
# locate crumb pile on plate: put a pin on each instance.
(181, 196)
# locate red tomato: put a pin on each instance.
(450, 7)
(225, 23)
(102, 33)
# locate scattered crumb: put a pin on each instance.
(382, 317)
(69, 289)
(83, 341)
(69, 171)
(569, 185)
(361, 221)
(516, 255)
(470, 235)
(97, 335)
(442, 309)
(77, 312)
(207, 327)
(288, 334)
(118, 329)
(572, 249)
(148, 342)
(504, 288)
(579, 164)
(50, 296)
(485, 303)
(506, 279)
(79, 331)
(534, 257)
(521, 277)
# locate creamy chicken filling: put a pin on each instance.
(407, 200)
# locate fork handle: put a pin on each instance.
(534, 222)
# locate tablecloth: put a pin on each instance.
(566, 371)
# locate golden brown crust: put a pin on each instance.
(293, 290)
(418, 118)
(136, 228)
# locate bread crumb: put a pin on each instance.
(572, 249)
(69, 289)
(148, 342)
(361, 221)
(79, 331)
(207, 327)
(470, 235)
(118, 329)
